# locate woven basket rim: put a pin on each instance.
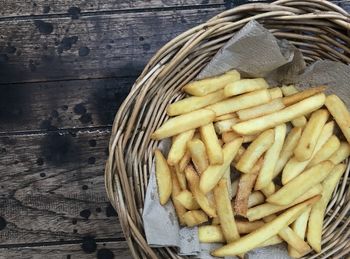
(130, 156)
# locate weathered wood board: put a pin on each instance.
(102, 46)
(52, 188)
(88, 249)
(65, 104)
(76, 8)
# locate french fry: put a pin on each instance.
(195, 217)
(184, 161)
(299, 122)
(290, 90)
(287, 151)
(270, 229)
(225, 213)
(297, 97)
(194, 103)
(215, 221)
(163, 176)
(270, 159)
(255, 150)
(299, 227)
(180, 177)
(186, 199)
(212, 175)
(294, 167)
(308, 140)
(182, 123)
(245, 227)
(178, 147)
(314, 231)
(269, 189)
(291, 238)
(341, 154)
(230, 135)
(202, 200)
(300, 184)
(260, 110)
(234, 187)
(267, 209)
(245, 186)
(213, 233)
(176, 190)
(225, 125)
(271, 241)
(211, 199)
(212, 144)
(240, 102)
(198, 154)
(227, 177)
(226, 117)
(275, 92)
(239, 155)
(212, 84)
(289, 113)
(340, 113)
(210, 234)
(326, 151)
(255, 198)
(245, 86)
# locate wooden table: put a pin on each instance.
(65, 67)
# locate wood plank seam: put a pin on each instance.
(112, 12)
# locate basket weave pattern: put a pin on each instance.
(320, 29)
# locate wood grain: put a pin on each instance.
(64, 104)
(116, 250)
(90, 47)
(52, 188)
(75, 7)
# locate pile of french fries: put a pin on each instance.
(251, 165)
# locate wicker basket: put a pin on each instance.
(320, 29)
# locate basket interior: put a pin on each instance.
(319, 29)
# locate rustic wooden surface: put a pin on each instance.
(65, 67)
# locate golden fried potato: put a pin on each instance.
(213, 174)
(317, 213)
(182, 123)
(212, 84)
(225, 213)
(198, 154)
(255, 150)
(308, 140)
(294, 167)
(301, 184)
(340, 113)
(270, 229)
(193, 181)
(240, 102)
(163, 176)
(211, 142)
(195, 217)
(179, 146)
(245, 86)
(271, 157)
(289, 113)
(194, 103)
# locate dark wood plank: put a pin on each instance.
(64, 104)
(52, 188)
(74, 8)
(90, 47)
(110, 250)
